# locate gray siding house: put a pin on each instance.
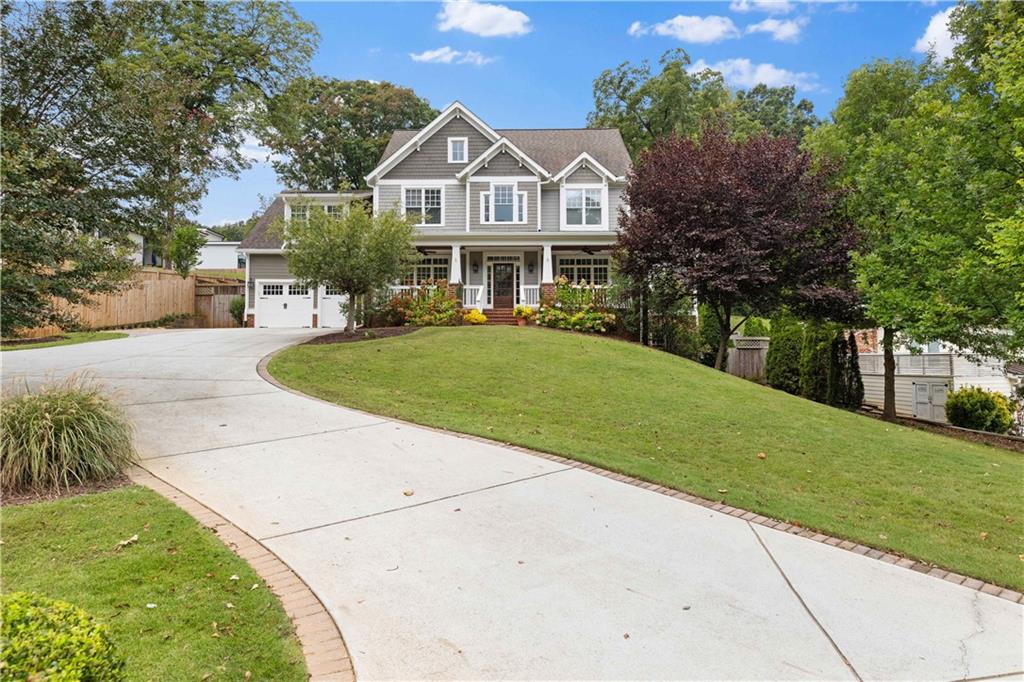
(503, 213)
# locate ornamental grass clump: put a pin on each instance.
(62, 435)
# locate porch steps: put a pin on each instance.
(500, 316)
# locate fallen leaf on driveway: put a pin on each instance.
(625, 636)
(408, 493)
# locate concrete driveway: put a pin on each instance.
(505, 565)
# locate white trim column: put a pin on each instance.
(455, 266)
(547, 275)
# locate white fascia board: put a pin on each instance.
(357, 194)
(589, 161)
(504, 144)
(454, 110)
(258, 251)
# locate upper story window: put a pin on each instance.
(425, 201)
(503, 204)
(300, 213)
(457, 149)
(584, 207)
(333, 210)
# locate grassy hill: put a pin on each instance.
(677, 423)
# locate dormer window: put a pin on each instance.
(457, 149)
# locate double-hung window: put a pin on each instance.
(425, 201)
(457, 149)
(300, 213)
(583, 207)
(503, 204)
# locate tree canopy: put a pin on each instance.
(331, 133)
(751, 222)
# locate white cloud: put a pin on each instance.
(787, 30)
(845, 7)
(689, 29)
(482, 19)
(770, 6)
(746, 74)
(937, 37)
(254, 151)
(446, 55)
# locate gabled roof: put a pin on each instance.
(585, 160)
(392, 156)
(503, 145)
(552, 148)
(262, 237)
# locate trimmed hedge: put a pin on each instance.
(47, 639)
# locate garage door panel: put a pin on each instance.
(283, 304)
(332, 315)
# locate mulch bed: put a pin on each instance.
(360, 335)
(30, 496)
(25, 342)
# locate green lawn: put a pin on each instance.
(72, 339)
(67, 549)
(664, 419)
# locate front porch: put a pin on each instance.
(496, 278)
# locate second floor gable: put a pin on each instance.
(460, 174)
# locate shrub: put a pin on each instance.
(782, 364)
(680, 337)
(474, 316)
(709, 332)
(428, 306)
(237, 310)
(61, 435)
(854, 382)
(587, 320)
(48, 639)
(975, 408)
(755, 326)
(814, 361)
(378, 310)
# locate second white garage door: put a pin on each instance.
(331, 313)
(281, 303)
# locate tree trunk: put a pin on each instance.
(167, 238)
(888, 375)
(350, 319)
(724, 330)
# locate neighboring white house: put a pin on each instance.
(924, 376)
(219, 254)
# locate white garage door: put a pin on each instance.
(283, 304)
(331, 313)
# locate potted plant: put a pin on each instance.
(523, 314)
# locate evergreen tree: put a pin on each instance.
(838, 371)
(782, 365)
(854, 382)
(814, 362)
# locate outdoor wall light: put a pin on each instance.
(476, 268)
(529, 268)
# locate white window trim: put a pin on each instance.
(520, 198)
(465, 149)
(415, 272)
(561, 257)
(422, 187)
(565, 226)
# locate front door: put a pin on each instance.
(504, 285)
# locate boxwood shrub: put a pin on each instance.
(47, 639)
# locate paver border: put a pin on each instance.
(327, 657)
(714, 505)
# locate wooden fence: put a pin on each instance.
(213, 304)
(154, 294)
(747, 357)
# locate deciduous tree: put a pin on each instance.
(748, 222)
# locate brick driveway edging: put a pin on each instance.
(748, 516)
(326, 655)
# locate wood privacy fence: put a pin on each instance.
(213, 304)
(747, 357)
(154, 294)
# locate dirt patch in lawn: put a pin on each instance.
(17, 497)
(360, 335)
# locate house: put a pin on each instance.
(218, 253)
(925, 375)
(503, 213)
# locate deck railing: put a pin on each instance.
(922, 364)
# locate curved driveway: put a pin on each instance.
(504, 565)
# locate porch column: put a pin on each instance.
(455, 266)
(547, 275)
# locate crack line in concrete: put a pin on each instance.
(260, 442)
(205, 397)
(804, 604)
(413, 506)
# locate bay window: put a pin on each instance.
(425, 201)
(584, 206)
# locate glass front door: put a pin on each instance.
(504, 284)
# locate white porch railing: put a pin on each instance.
(531, 295)
(923, 364)
(472, 296)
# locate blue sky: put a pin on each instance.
(532, 64)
